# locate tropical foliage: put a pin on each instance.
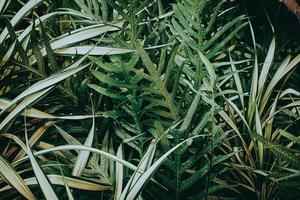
(145, 100)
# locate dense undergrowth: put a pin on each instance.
(104, 99)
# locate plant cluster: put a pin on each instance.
(143, 100)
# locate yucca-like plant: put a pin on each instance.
(33, 53)
(253, 111)
(32, 68)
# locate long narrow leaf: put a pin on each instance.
(21, 106)
(14, 179)
(83, 156)
(50, 81)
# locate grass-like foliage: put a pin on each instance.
(143, 100)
